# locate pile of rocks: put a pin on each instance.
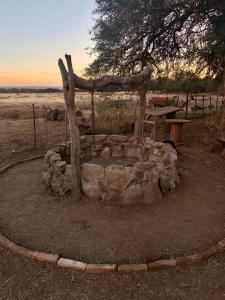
(146, 172)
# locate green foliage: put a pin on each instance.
(113, 114)
(184, 82)
(128, 35)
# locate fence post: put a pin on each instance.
(186, 106)
(66, 128)
(203, 104)
(34, 127)
(196, 106)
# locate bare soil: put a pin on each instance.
(184, 222)
(199, 216)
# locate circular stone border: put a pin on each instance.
(56, 259)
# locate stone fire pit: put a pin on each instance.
(115, 168)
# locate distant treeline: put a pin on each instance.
(181, 85)
(30, 90)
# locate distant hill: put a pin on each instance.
(30, 89)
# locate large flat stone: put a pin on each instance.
(91, 171)
(117, 177)
(132, 195)
(91, 189)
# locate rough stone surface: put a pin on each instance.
(154, 167)
(105, 153)
(118, 138)
(152, 194)
(91, 189)
(132, 195)
(117, 151)
(117, 177)
(92, 171)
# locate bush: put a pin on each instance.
(113, 114)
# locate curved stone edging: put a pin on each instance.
(108, 268)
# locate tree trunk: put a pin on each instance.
(69, 96)
(222, 114)
(138, 130)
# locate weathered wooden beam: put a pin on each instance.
(104, 81)
(69, 96)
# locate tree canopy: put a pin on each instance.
(169, 34)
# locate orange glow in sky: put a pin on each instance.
(35, 34)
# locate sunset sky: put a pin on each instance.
(35, 33)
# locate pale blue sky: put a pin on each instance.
(35, 33)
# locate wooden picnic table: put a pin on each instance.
(156, 113)
(168, 111)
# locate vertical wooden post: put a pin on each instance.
(203, 104)
(66, 128)
(138, 130)
(196, 106)
(69, 96)
(34, 127)
(93, 115)
(210, 103)
(186, 106)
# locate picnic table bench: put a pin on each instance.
(152, 115)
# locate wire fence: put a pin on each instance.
(29, 131)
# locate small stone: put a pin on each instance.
(117, 151)
(92, 171)
(46, 178)
(101, 268)
(144, 165)
(152, 193)
(117, 177)
(132, 268)
(105, 153)
(71, 264)
(161, 264)
(133, 194)
(98, 138)
(91, 189)
(223, 154)
(118, 138)
(132, 152)
(48, 155)
(59, 166)
(164, 183)
(56, 185)
(54, 158)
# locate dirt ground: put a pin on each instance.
(186, 224)
(185, 221)
(21, 279)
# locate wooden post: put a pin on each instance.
(138, 130)
(69, 96)
(210, 103)
(34, 127)
(203, 104)
(195, 106)
(93, 115)
(186, 106)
